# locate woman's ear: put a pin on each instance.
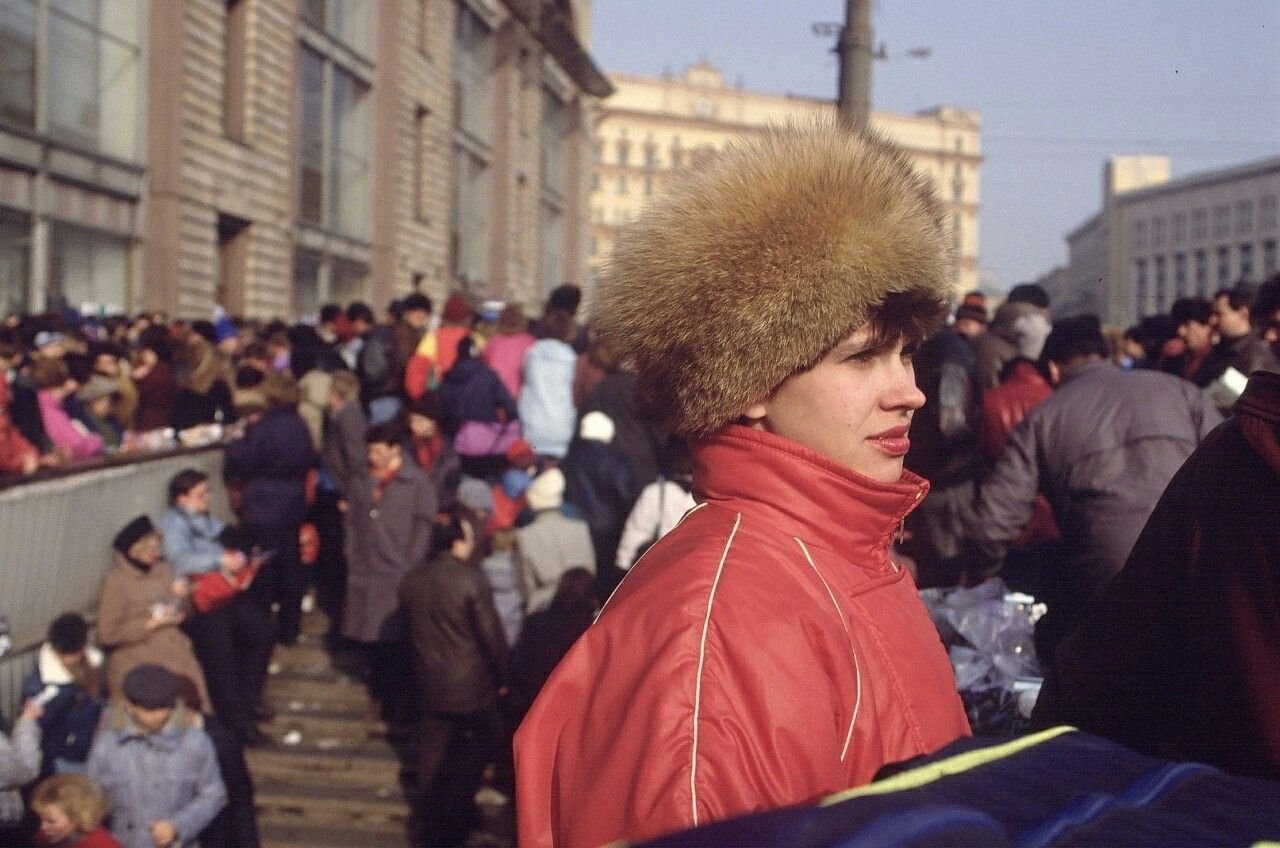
(755, 413)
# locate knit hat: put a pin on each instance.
(475, 494)
(96, 387)
(151, 686)
(760, 262)
(456, 309)
(546, 491)
(596, 427)
(132, 532)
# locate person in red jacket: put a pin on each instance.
(768, 650)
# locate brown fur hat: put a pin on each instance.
(755, 266)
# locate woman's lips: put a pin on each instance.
(893, 441)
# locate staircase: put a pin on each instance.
(335, 774)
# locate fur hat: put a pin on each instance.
(756, 265)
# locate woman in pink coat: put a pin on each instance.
(53, 384)
(505, 351)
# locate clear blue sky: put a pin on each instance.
(1061, 86)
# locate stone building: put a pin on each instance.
(273, 155)
(1156, 240)
(652, 127)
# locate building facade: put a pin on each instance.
(653, 127)
(274, 155)
(1156, 240)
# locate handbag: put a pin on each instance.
(213, 590)
(486, 438)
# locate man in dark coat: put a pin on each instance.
(600, 483)
(945, 448)
(462, 662)
(388, 525)
(1101, 449)
(376, 364)
(639, 437)
(1180, 658)
(270, 463)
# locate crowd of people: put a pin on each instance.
(465, 492)
(461, 493)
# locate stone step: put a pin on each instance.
(317, 768)
(297, 835)
(282, 802)
(320, 691)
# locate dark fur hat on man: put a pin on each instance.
(756, 265)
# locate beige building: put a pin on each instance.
(652, 127)
(273, 155)
(1156, 240)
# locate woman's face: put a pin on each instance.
(54, 824)
(147, 549)
(421, 426)
(853, 407)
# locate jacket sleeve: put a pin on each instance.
(488, 628)
(1004, 503)
(114, 627)
(643, 524)
(535, 594)
(211, 792)
(187, 554)
(20, 756)
(424, 517)
(1204, 414)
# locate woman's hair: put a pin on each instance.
(184, 481)
(49, 373)
(76, 795)
(511, 321)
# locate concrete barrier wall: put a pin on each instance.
(55, 543)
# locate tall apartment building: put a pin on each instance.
(273, 155)
(652, 127)
(1156, 240)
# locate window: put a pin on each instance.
(470, 239)
(1268, 258)
(93, 71)
(1246, 261)
(234, 74)
(677, 153)
(1180, 275)
(348, 280)
(18, 62)
(1221, 221)
(622, 185)
(624, 152)
(650, 156)
(1157, 232)
(1140, 288)
(1224, 266)
(1202, 273)
(421, 136)
(15, 262)
(555, 188)
(349, 21)
(595, 246)
(1199, 224)
(648, 185)
(1162, 291)
(306, 282)
(1179, 228)
(1244, 217)
(1267, 212)
(1139, 235)
(957, 190)
(310, 135)
(88, 269)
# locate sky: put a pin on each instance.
(1060, 86)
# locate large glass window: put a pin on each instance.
(555, 148)
(93, 75)
(18, 62)
(335, 146)
(15, 262)
(469, 243)
(351, 169)
(306, 282)
(310, 135)
(349, 21)
(88, 270)
(474, 69)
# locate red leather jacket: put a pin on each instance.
(765, 652)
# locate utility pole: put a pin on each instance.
(854, 100)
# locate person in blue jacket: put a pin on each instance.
(68, 682)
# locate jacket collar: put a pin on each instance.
(804, 494)
(52, 671)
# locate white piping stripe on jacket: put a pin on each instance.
(857, 704)
(626, 574)
(702, 658)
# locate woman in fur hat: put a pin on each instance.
(767, 651)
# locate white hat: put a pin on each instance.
(596, 427)
(546, 491)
